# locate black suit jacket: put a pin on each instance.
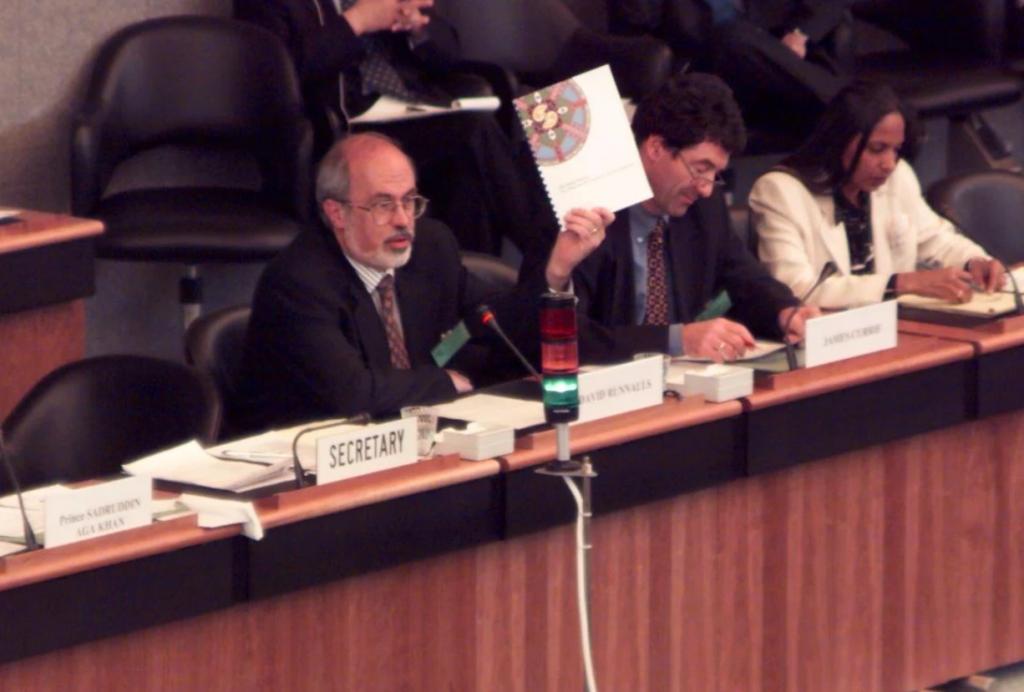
(704, 257)
(316, 346)
(324, 46)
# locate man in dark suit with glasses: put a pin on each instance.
(345, 318)
(666, 258)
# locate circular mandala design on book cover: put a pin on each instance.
(556, 121)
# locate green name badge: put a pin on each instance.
(716, 307)
(450, 344)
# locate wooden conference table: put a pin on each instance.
(856, 526)
(46, 269)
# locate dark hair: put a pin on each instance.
(855, 110)
(690, 109)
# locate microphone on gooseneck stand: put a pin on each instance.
(487, 319)
(1018, 302)
(300, 474)
(828, 270)
(30, 536)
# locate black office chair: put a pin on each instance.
(542, 42)
(950, 66)
(493, 273)
(199, 87)
(988, 207)
(214, 343)
(86, 418)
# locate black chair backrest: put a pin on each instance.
(493, 273)
(988, 207)
(86, 418)
(185, 81)
(214, 343)
(543, 41)
(739, 219)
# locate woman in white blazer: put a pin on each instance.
(847, 196)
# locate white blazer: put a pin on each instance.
(797, 235)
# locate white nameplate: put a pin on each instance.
(367, 449)
(850, 333)
(621, 388)
(98, 510)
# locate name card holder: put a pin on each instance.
(621, 388)
(850, 333)
(98, 510)
(368, 449)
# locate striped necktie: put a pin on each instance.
(388, 314)
(656, 305)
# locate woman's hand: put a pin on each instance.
(948, 283)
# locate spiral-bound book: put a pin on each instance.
(583, 145)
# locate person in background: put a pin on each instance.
(350, 53)
(847, 195)
(774, 54)
(667, 258)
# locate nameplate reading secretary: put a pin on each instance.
(359, 450)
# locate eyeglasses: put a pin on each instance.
(714, 181)
(383, 210)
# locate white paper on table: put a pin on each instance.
(190, 463)
(13, 529)
(981, 304)
(7, 548)
(495, 410)
(1018, 274)
(583, 145)
(762, 348)
(388, 108)
(33, 498)
(215, 512)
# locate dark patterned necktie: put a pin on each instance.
(656, 305)
(377, 69)
(396, 344)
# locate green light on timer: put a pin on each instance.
(559, 357)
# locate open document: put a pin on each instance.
(981, 304)
(582, 144)
(387, 108)
(761, 349)
(190, 463)
(240, 465)
(12, 528)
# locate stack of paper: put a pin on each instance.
(12, 528)
(494, 410)
(190, 463)
(981, 304)
(240, 465)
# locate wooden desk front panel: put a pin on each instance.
(35, 342)
(893, 567)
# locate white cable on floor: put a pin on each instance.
(581, 589)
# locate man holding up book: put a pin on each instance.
(667, 258)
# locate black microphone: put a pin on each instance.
(30, 536)
(300, 474)
(828, 270)
(487, 319)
